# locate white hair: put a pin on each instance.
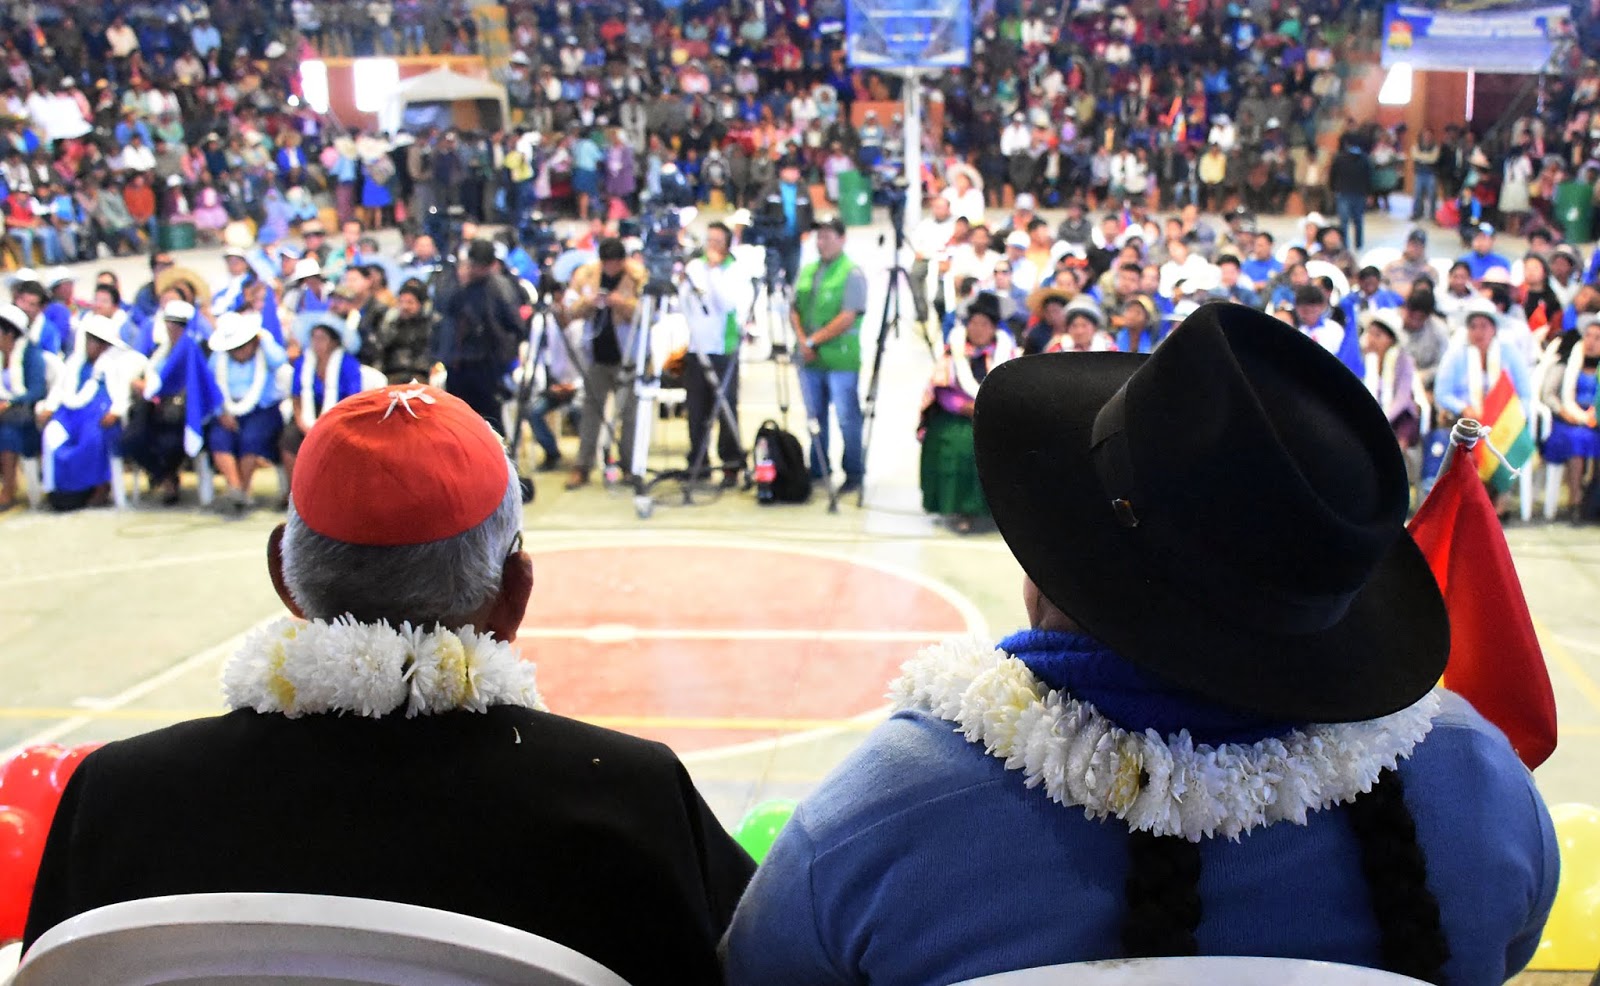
(438, 583)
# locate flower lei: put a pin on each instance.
(87, 390)
(252, 395)
(1163, 785)
(373, 669)
(1380, 381)
(12, 384)
(1481, 377)
(330, 385)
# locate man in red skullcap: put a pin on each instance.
(388, 742)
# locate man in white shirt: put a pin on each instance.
(712, 295)
(137, 156)
(929, 239)
(1016, 137)
(972, 259)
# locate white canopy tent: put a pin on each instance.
(442, 86)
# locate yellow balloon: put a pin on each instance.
(1571, 939)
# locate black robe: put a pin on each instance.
(586, 836)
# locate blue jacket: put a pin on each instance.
(1353, 306)
(923, 860)
(1481, 263)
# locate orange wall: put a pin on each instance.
(341, 84)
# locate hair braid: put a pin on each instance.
(1163, 896)
(1413, 942)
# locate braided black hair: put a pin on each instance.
(1163, 888)
(1163, 896)
(1413, 942)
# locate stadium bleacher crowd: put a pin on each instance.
(1161, 131)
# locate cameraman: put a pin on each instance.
(480, 334)
(711, 295)
(830, 298)
(795, 201)
(603, 294)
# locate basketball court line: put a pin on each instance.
(134, 692)
(115, 706)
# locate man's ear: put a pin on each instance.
(511, 604)
(275, 569)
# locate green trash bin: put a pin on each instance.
(1574, 210)
(178, 236)
(855, 198)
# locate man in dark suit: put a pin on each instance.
(410, 765)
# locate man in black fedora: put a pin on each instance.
(1219, 734)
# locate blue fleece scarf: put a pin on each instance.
(1133, 699)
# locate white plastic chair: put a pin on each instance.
(372, 378)
(1207, 970)
(1380, 257)
(296, 940)
(32, 472)
(1540, 419)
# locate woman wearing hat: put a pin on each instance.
(243, 436)
(1047, 308)
(1220, 733)
(323, 376)
(22, 385)
(1085, 332)
(1390, 375)
(1570, 389)
(949, 473)
(157, 417)
(81, 420)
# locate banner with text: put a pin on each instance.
(1512, 41)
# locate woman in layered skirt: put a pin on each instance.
(950, 486)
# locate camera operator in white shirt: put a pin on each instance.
(713, 297)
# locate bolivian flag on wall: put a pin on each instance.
(1510, 431)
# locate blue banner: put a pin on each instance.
(901, 34)
(1518, 42)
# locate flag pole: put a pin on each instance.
(1466, 434)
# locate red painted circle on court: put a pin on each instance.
(706, 647)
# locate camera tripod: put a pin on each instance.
(890, 324)
(694, 477)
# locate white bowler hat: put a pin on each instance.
(101, 328)
(306, 268)
(177, 310)
(234, 329)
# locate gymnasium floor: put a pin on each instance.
(757, 641)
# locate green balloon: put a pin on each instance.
(759, 827)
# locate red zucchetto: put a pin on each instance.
(397, 466)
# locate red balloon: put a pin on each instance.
(21, 847)
(25, 780)
(67, 764)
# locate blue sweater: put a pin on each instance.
(922, 860)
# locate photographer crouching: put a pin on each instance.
(712, 295)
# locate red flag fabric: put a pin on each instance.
(1496, 662)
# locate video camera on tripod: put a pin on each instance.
(769, 229)
(538, 237)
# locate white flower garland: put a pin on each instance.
(12, 384)
(1165, 786)
(252, 394)
(331, 369)
(371, 670)
(1481, 378)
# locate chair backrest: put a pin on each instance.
(286, 939)
(372, 378)
(1197, 971)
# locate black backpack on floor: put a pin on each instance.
(790, 482)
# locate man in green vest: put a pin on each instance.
(830, 297)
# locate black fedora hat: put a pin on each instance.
(1226, 513)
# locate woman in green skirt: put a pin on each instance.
(950, 485)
